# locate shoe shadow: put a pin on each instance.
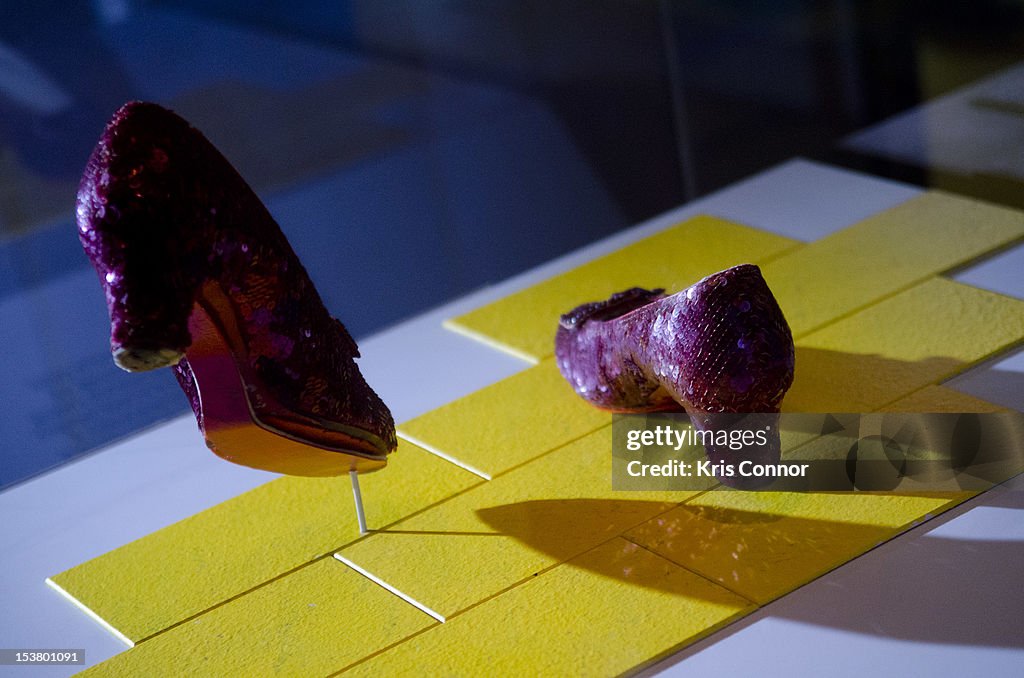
(837, 381)
(774, 554)
(565, 528)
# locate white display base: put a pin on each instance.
(943, 599)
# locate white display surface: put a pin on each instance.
(943, 599)
(970, 131)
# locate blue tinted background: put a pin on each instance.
(415, 151)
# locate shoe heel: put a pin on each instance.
(149, 304)
(131, 231)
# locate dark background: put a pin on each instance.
(415, 151)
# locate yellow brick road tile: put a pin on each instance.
(509, 422)
(499, 533)
(308, 623)
(605, 612)
(815, 284)
(885, 253)
(183, 569)
(890, 350)
(764, 544)
(524, 323)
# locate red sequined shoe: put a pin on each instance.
(720, 347)
(199, 277)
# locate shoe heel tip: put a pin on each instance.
(145, 359)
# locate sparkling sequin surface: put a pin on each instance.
(719, 346)
(166, 220)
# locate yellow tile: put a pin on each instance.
(185, 568)
(887, 351)
(603, 613)
(509, 422)
(310, 623)
(880, 255)
(524, 323)
(764, 544)
(815, 284)
(941, 399)
(559, 505)
(499, 533)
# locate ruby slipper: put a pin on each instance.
(198, 276)
(721, 346)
